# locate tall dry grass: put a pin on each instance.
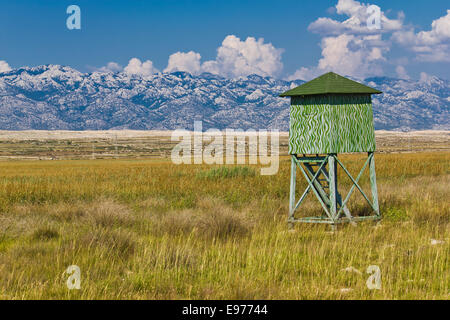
(152, 230)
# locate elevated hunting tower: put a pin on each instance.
(330, 115)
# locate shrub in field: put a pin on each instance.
(395, 214)
(66, 211)
(107, 213)
(211, 220)
(118, 243)
(45, 233)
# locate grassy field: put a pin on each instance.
(148, 229)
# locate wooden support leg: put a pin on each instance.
(373, 183)
(333, 186)
(311, 186)
(331, 201)
(292, 190)
(339, 198)
(345, 209)
(319, 187)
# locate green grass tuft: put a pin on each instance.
(227, 172)
(45, 233)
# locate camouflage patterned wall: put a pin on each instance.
(331, 124)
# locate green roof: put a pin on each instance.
(329, 83)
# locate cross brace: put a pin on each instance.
(335, 208)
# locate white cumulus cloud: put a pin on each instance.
(348, 55)
(111, 67)
(241, 58)
(440, 31)
(4, 66)
(235, 58)
(349, 47)
(135, 66)
(356, 22)
(432, 45)
(184, 61)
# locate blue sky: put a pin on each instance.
(301, 38)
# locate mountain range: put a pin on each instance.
(54, 97)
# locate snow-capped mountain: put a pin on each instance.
(58, 97)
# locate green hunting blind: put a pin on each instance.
(330, 115)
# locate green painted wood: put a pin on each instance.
(319, 187)
(329, 221)
(309, 187)
(333, 186)
(329, 83)
(336, 210)
(292, 188)
(330, 115)
(373, 184)
(310, 159)
(355, 182)
(338, 197)
(310, 183)
(324, 124)
(311, 220)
